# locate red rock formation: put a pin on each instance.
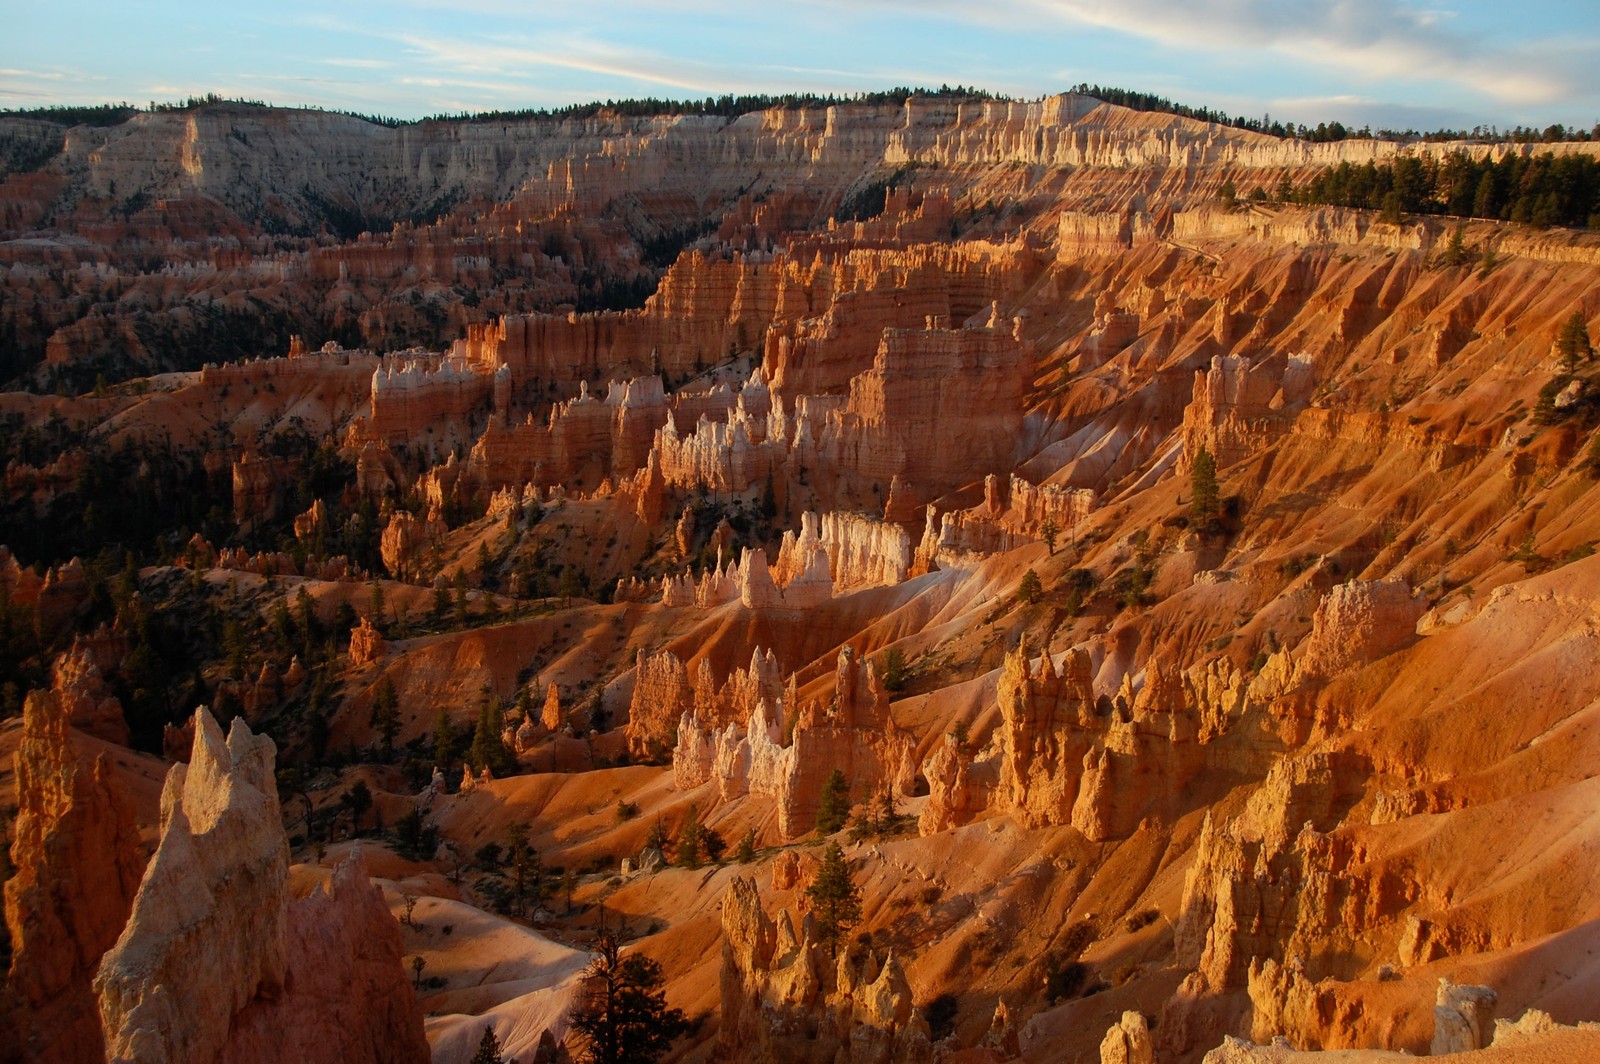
(406, 540)
(259, 487)
(958, 790)
(661, 695)
(78, 861)
(783, 998)
(88, 701)
(854, 732)
(1128, 1042)
(1047, 724)
(216, 964)
(719, 718)
(938, 408)
(348, 996)
(552, 717)
(1241, 405)
(425, 402)
(366, 644)
(1358, 622)
(225, 946)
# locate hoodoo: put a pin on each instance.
(911, 578)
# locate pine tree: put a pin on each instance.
(747, 847)
(527, 870)
(386, 716)
(623, 1017)
(1204, 504)
(488, 1049)
(1048, 531)
(358, 799)
(488, 743)
(1031, 589)
(835, 899)
(444, 741)
(833, 807)
(375, 606)
(688, 850)
(1572, 342)
(657, 839)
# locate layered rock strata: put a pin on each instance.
(213, 922)
(78, 860)
(785, 998)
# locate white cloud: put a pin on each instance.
(1372, 39)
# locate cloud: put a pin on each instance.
(518, 58)
(1373, 39)
(359, 64)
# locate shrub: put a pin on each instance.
(941, 1016)
(1141, 919)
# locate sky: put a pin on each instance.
(1379, 62)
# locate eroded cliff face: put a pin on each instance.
(212, 921)
(784, 997)
(1271, 773)
(78, 860)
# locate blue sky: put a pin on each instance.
(1379, 61)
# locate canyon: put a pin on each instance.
(1177, 604)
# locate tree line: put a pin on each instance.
(1327, 132)
(1544, 189)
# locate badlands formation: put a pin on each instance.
(432, 549)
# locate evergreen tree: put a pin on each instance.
(488, 1049)
(386, 716)
(1031, 589)
(1048, 531)
(358, 799)
(657, 839)
(714, 844)
(833, 807)
(747, 847)
(1572, 343)
(375, 606)
(527, 870)
(623, 1017)
(1205, 504)
(894, 669)
(835, 899)
(488, 743)
(444, 741)
(690, 841)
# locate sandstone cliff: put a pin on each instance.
(212, 922)
(785, 998)
(78, 861)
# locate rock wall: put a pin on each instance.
(1241, 405)
(718, 709)
(216, 964)
(853, 732)
(347, 996)
(223, 944)
(661, 695)
(784, 998)
(1014, 513)
(1357, 622)
(1100, 765)
(78, 860)
(86, 698)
